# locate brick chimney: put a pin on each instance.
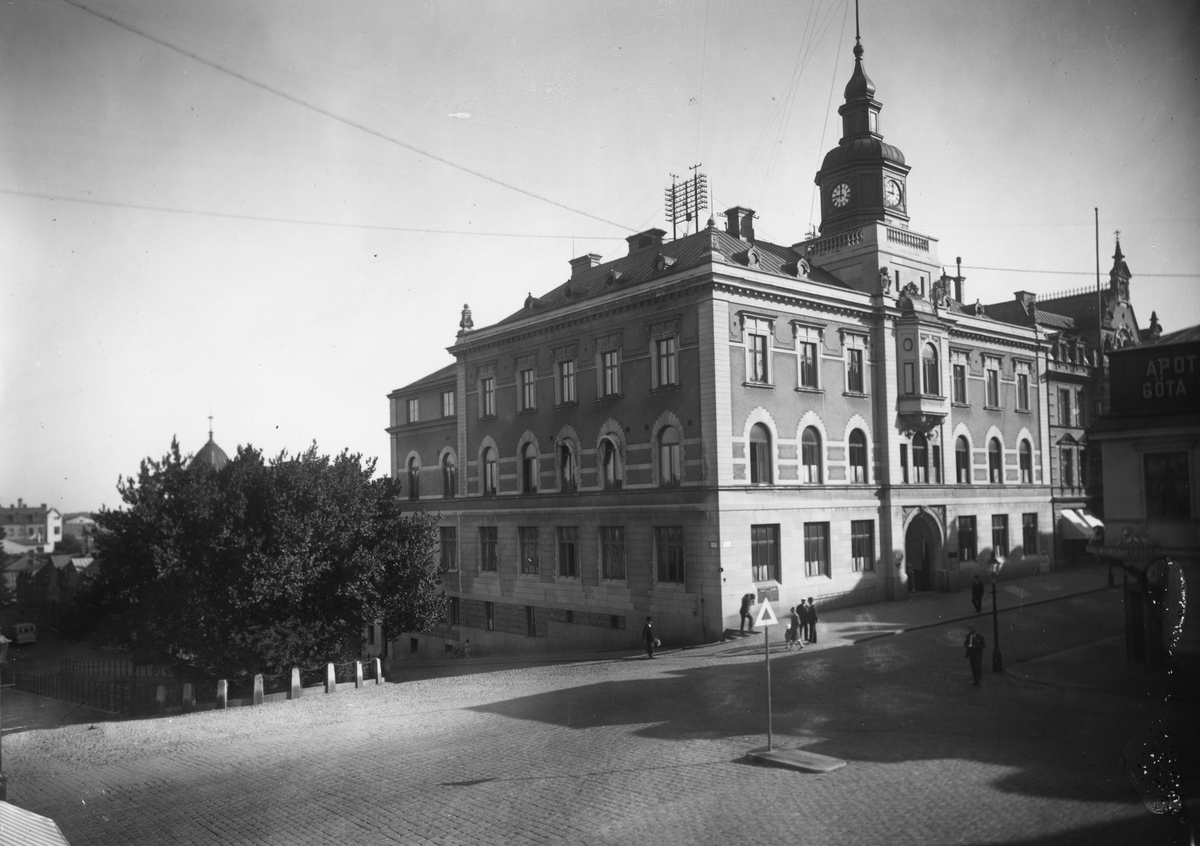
(584, 263)
(739, 222)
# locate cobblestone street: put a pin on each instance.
(629, 750)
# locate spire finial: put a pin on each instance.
(210, 427)
(858, 48)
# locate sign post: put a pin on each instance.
(766, 617)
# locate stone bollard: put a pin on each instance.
(189, 697)
(160, 698)
(330, 679)
(222, 694)
(294, 692)
(258, 690)
(358, 675)
(378, 671)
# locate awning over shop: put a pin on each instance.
(1079, 525)
(19, 827)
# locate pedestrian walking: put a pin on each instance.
(977, 594)
(648, 637)
(974, 645)
(794, 630)
(466, 652)
(812, 620)
(744, 613)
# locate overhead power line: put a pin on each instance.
(265, 219)
(1079, 272)
(280, 93)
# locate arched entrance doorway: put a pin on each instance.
(922, 551)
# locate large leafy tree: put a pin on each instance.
(260, 565)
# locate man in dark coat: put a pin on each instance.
(977, 594)
(648, 637)
(810, 613)
(974, 645)
(747, 600)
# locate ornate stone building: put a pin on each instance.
(719, 415)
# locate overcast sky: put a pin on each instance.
(274, 212)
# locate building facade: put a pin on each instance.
(719, 415)
(29, 528)
(1150, 437)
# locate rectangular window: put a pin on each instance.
(816, 549)
(610, 363)
(488, 390)
(449, 538)
(447, 403)
(668, 542)
(764, 552)
(612, 552)
(936, 466)
(960, 383)
(530, 621)
(808, 364)
(413, 406)
(568, 552)
(453, 611)
(527, 538)
(489, 613)
(1167, 484)
(993, 382)
(862, 545)
(566, 381)
(487, 549)
(854, 372)
(1029, 533)
(667, 374)
(1000, 535)
(1064, 407)
(528, 390)
(910, 378)
(758, 359)
(966, 539)
(904, 463)
(1022, 387)
(1067, 468)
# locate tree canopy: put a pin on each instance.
(260, 565)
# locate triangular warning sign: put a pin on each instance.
(766, 617)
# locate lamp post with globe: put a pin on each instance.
(997, 659)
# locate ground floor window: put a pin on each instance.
(668, 542)
(862, 544)
(1029, 533)
(449, 539)
(612, 552)
(568, 551)
(527, 537)
(487, 549)
(1167, 484)
(1000, 535)
(489, 613)
(966, 539)
(530, 621)
(764, 552)
(816, 549)
(453, 611)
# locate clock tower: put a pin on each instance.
(862, 179)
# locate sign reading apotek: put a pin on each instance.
(1155, 379)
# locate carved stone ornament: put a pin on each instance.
(937, 512)
(941, 292)
(911, 290)
(920, 423)
(979, 308)
(466, 324)
(885, 281)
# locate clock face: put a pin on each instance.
(893, 193)
(841, 194)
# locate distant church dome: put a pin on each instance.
(210, 456)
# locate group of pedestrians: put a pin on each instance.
(802, 625)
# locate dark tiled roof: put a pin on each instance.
(681, 254)
(441, 375)
(1183, 336)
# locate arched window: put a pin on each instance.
(760, 455)
(995, 464)
(566, 469)
(858, 457)
(962, 461)
(449, 476)
(929, 370)
(920, 449)
(529, 469)
(670, 465)
(611, 465)
(491, 473)
(414, 478)
(810, 457)
(1026, 463)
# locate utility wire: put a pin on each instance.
(264, 219)
(1079, 272)
(339, 118)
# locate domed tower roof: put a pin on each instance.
(210, 456)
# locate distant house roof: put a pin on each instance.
(1183, 336)
(210, 456)
(436, 376)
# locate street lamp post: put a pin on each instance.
(4, 642)
(997, 659)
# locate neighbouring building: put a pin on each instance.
(29, 528)
(718, 415)
(1150, 438)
